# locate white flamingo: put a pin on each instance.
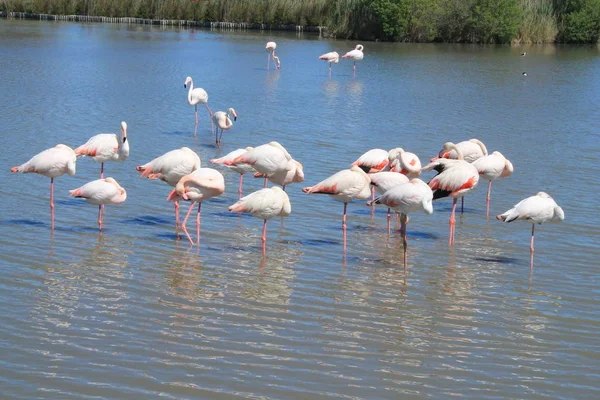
(355, 55)
(284, 178)
(222, 120)
(100, 192)
(384, 181)
(268, 159)
(332, 58)
(270, 48)
(196, 96)
(491, 167)
(240, 168)
(404, 162)
(106, 147)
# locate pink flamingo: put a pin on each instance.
(222, 120)
(345, 186)
(240, 168)
(268, 159)
(196, 96)
(374, 160)
(270, 48)
(404, 162)
(170, 168)
(455, 179)
(265, 204)
(355, 55)
(404, 198)
(332, 58)
(491, 167)
(384, 181)
(106, 147)
(200, 185)
(51, 163)
(284, 178)
(101, 192)
(537, 210)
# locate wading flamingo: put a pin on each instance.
(355, 55)
(170, 168)
(404, 198)
(345, 186)
(284, 178)
(537, 210)
(222, 120)
(404, 162)
(265, 204)
(51, 163)
(270, 48)
(200, 185)
(106, 147)
(101, 192)
(455, 179)
(374, 160)
(240, 168)
(195, 97)
(491, 167)
(384, 181)
(268, 159)
(332, 58)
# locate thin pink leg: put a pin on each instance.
(176, 203)
(403, 221)
(268, 62)
(52, 203)
(210, 113)
(265, 182)
(100, 217)
(101, 170)
(196, 112)
(185, 221)
(344, 225)
(462, 205)
(452, 222)
(372, 202)
(487, 199)
(531, 246)
(389, 220)
(198, 224)
(240, 188)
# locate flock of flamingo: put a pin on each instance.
(393, 174)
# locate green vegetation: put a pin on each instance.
(474, 21)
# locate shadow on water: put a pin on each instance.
(147, 220)
(27, 222)
(448, 209)
(367, 211)
(169, 236)
(318, 242)
(500, 260)
(421, 235)
(178, 133)
(72, 202)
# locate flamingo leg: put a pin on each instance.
(452, 222)
(198, 223)
(330, 70)
(100, 217)
(265, 182)
(221, 137)
(268, 62)
(264, 237)
(283, 187)
(101, 170)
(196, 113)
(344, 225)
(487, 199)
(462, 205)
(52, 203)
(185, 221)
(403, 221)
(210, 113)
(531, 249)
(101, 206)
(389, 221)
(240, 188)
(176, 203)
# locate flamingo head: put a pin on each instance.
(187, 80)
(359, 47)
(124, 130)
(232, 112)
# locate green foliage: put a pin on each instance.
(582, 25)
(495, 21)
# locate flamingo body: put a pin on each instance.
(284, 178)
(226, 160)
(222, 120)
(345, 186)
(171, 166)
(471, 150)
(267, 159)
(373, 160)
(356, 54)
(100, 192)
(492, 167)
(386, 180)
(106, 146)
(51, 163)
(535, 209)
(405, 163)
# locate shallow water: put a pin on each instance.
(134, 313)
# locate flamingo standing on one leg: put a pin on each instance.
(270, 48)
(51, 163)
(404, 198)
(492, 167)
(200, 185)
(170, 168)
(355, 55)
(240, 168)
(404, 162)
(268, 159)
(455, 179)
(284, 178)
(537, 210)
(332, 58)
(196, 96)
(384, 181)
(101, 192)
(345, 186)
(265, 204)
(222, 120)
(374, 160)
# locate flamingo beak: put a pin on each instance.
(184, 196)
(184, 85)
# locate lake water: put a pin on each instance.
(134, 313)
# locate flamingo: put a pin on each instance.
(268, 159)
(491, 167)
(106, 147)
(404, 162)
(240, 168)
(270, 48)
(99, 192)
(404, 198)
(384, 181)
(265, 204)
(51, 163)
(332, 58)
(277, 61)
(200, 185)
(284, 178)
(374, 160)
(223, 121)
(537, 210)
(195, 97)
(355, 55)
(170, 168)
(455, 179)
(345, 186)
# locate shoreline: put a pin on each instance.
(323, 31)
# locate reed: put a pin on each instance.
(539, 23)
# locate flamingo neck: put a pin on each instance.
(459, 154)
(190, 91)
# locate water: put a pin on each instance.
(134, 313)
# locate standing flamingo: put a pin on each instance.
(200, 185)
(222, 120)
(374, 160)
(345, 186)
(106, 147)
(332, 58)
(269, 159)
(270, 48)
(240, 168)
(492, 167)
(404, 162)
(170, 168)
(100, 192)
(284, 178)
(265, 204)
(51, 163)
(404, 198)
(455, 179)
(195, 97)
(384, 181)
(355, 55)
(537, 210)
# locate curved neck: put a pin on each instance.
(190, 91)
(459, 154)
